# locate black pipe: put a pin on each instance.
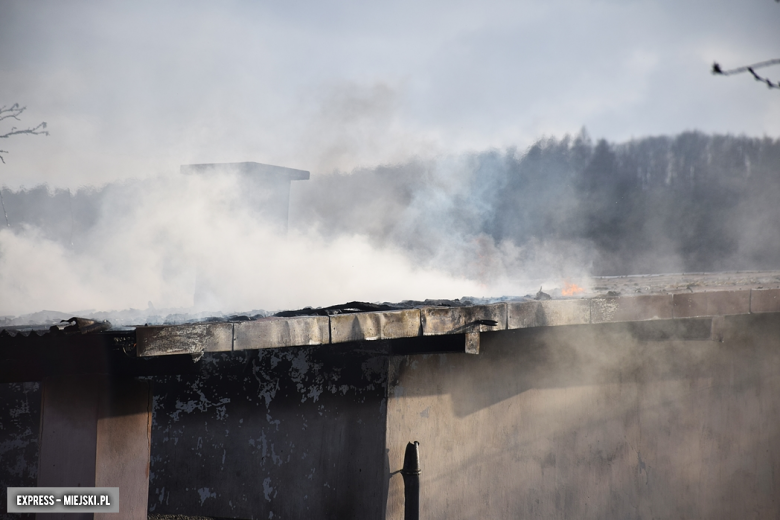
(411, 473)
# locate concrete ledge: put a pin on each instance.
(715, 303)
(469, 321)
(281, 332)
(632, 308)
(369, 326)
(184, 339)
(765, 300)
(355, 327)
(460, 320)
(547, 313)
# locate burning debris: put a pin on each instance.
(542, 295)
(570, 289)
(84, 326)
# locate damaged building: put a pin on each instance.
(640, 397)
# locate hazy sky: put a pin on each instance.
(136, 88)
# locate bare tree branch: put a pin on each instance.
(716, 69)
(13, 112)
(37, 130)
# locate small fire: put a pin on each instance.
(570, 289)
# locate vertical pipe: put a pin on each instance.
(411, 474)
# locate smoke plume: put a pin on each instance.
(489, 224)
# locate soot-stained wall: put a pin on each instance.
(594, 422)
(20, 412)
(284, 433)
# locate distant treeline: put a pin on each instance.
(693, 202)
(59, 214)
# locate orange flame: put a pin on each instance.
(570, 289)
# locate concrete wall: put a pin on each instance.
(609, 421)
(280, 433)
(594, 421)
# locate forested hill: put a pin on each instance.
(692, 202)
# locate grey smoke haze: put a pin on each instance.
(160, 242)
(134, 89)
(481, 224)
(406, 97)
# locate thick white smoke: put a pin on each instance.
(193, 244)
(160, 242)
